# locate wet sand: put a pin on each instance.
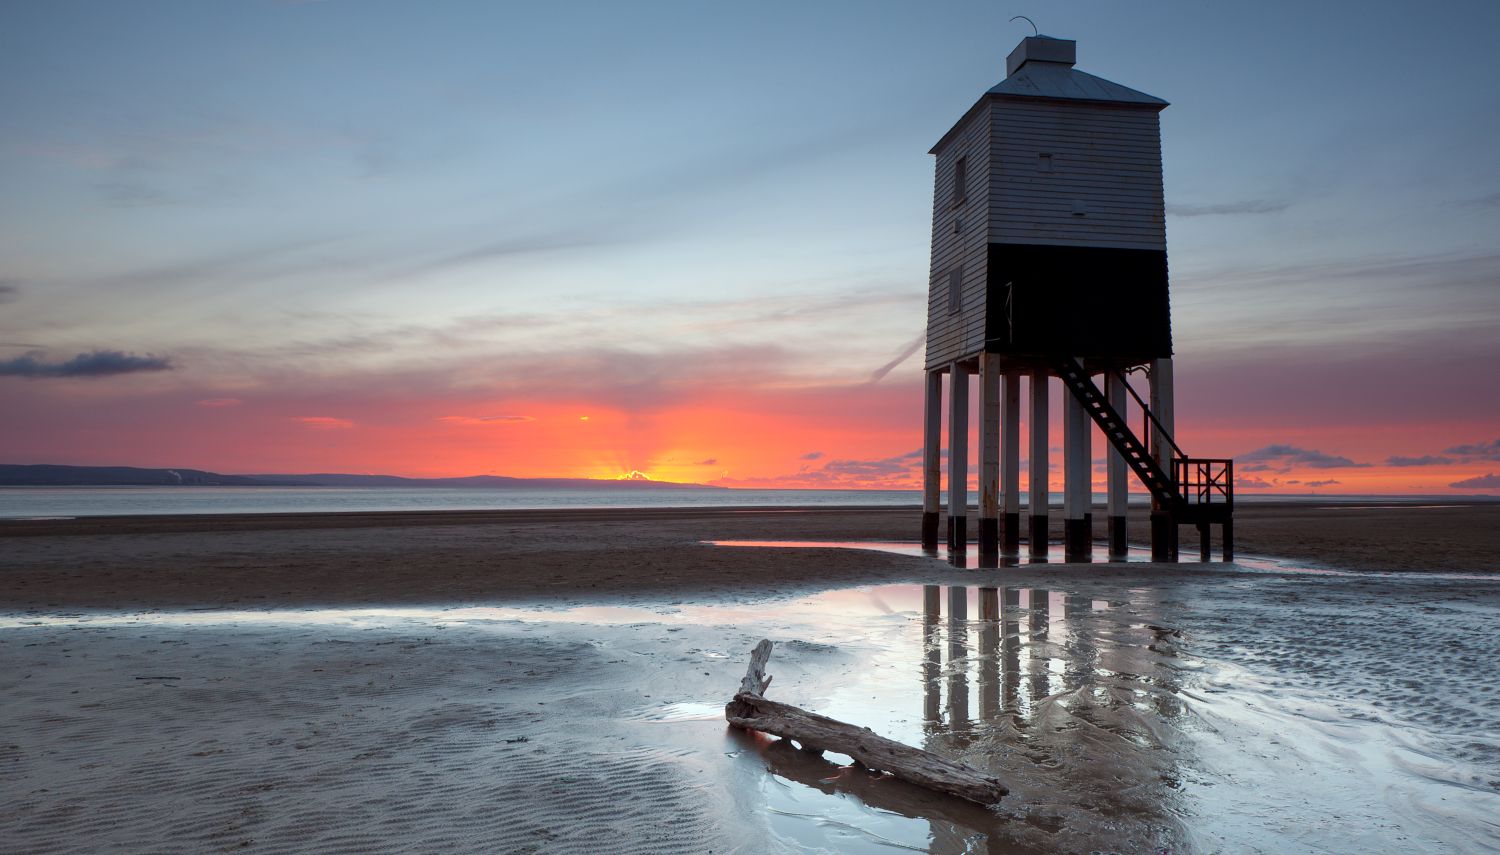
(546, 681)
(471, 556)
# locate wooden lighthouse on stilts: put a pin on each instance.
(1049, 260)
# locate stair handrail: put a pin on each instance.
(1150, 417)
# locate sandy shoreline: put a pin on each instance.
(445, 557)
(545, 681)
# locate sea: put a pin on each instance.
(64, 502)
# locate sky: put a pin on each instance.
(690, 239)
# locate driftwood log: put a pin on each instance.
(817, 733)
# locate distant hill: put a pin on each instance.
(502, 482)
(48, 475)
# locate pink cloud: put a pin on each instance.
(485, 420)
(325, 422)
(213, 403)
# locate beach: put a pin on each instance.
(540, 681)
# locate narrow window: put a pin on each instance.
(1045, 162)
(960, 180)
(955, 289)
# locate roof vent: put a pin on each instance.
(1041, 49)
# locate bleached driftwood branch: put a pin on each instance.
(752, 711)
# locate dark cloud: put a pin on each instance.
(712, 461)
(1478, 450)
(885, 465)
(1478, 482)
(1249, 206)
(10, 290)
(1325, 483)
(895, 472)
(813, 455)
(98, 363)
(1282, 458)
(1424, 460)
(1250, 482)
(902, 465)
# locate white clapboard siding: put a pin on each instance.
(1105, 160)
(958, 335)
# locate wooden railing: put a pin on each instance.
(1204, 480)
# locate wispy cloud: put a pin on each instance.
(97, 363)
(485, 420)
(1479, 482)
(906, 352)
(217, 403)
(1249, 206)
(1365, 305)
(10, 290)
(512, 246)
(324, 422)
(1491, 200)
(255, 262)
(813, 455)
(131, 194)
(712, 461)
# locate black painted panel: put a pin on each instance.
(1079, 301)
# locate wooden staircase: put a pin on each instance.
(1198, 490)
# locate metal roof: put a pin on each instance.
(1042, 67)
(1062, 81)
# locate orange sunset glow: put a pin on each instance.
(441, 272)
(860, 436)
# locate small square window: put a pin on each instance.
(960, 181)
(955, 289)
